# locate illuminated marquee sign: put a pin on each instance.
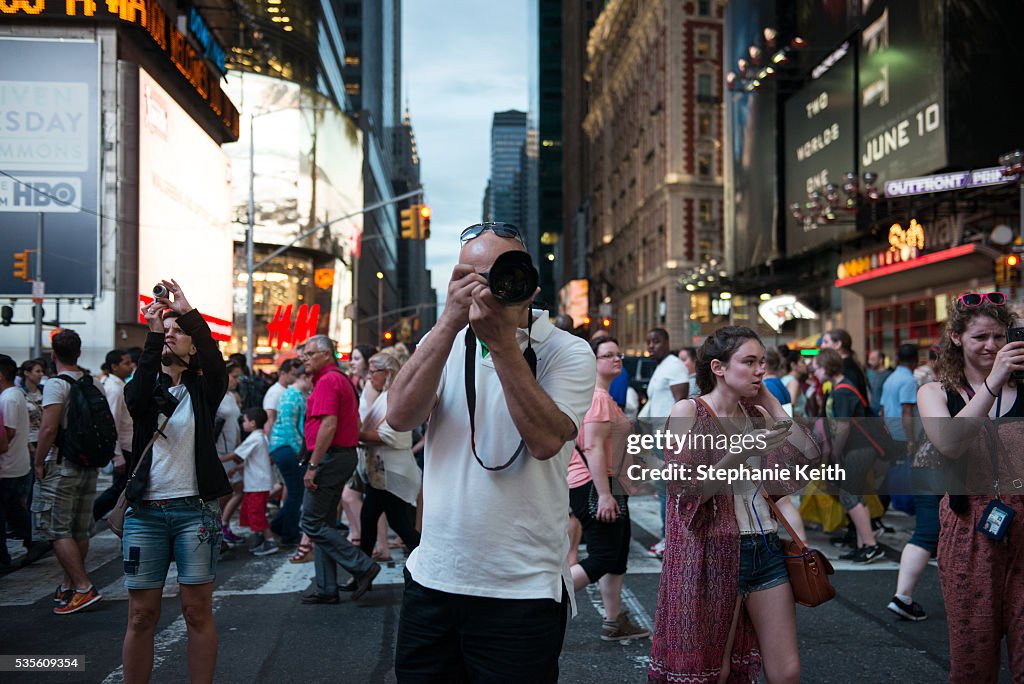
(944, 182)
(904, 245)
(778, 310)
(148, 15)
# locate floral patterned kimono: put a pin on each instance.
(700, 575)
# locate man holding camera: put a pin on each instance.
(505, 391)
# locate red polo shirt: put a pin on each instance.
(333, 395)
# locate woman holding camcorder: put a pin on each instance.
(176, 482)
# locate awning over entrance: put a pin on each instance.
(931, 270)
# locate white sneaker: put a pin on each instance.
(267, 548)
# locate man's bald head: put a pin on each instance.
(481, 251)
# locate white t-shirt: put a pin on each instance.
(500, 534)
(660, 400)
(173, 474)
(255, 451)
(273, 396)
(15, 461)
(227, 440)
(57, 391)
(113, 387)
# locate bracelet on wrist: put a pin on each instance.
(985, 382)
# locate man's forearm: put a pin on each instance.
(45, 443)
(411, 397)
(323, 441)
(542, 425)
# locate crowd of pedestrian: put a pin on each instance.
(498, 447)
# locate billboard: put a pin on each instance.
(901, 89)
(751, 208)
(49, 159)
(185, 228)
(819, 147)
(307, 163)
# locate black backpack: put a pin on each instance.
(90, 438)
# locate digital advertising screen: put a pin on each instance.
(819, 148)
(185, 227)
(901, 89)
(49, 158)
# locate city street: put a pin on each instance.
(267, 635)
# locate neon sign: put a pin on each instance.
(904, 245)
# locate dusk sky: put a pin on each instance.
(462, 60)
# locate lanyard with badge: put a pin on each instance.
(997, 516)
(470, 377)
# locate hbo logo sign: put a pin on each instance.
(41, 193)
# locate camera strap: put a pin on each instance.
(470, 377)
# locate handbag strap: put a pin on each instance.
(785, 523)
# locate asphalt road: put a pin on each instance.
(266, 635)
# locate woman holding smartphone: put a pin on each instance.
(981, 537)
(725, 605)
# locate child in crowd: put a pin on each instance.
(254, 456)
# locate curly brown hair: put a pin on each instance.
(949, 367)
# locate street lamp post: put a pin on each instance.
(380, 307)
(250, 340)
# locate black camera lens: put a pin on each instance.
(159, 290)
(512, 278)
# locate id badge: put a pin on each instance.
(996, 519)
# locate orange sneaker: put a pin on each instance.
(79, 601)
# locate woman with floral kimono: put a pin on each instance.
(725, 607)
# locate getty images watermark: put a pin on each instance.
(668, 441)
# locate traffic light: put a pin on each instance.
(410, 223)
(424, 222)
(1013, 270)
(21, 265)
(388, 336)
(1008, 271)
(606, 322)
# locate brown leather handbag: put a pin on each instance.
(115, 520)
(808, 568)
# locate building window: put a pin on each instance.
(704, 85)
(705, 211)
(704, 7)
(704, 125)
(703, 44)
(704, 164)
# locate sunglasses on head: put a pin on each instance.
(972, 300)
(505, 230)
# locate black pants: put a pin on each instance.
(401, 517)
(14, 493)
(106, 501)
(607, 543)
(453, 638)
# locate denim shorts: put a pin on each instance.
(185, 530)
(759, 568)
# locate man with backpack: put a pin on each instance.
(77, 437)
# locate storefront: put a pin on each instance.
(901, 293)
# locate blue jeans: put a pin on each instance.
(184, 529)
(286, 522)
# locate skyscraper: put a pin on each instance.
(508, 136)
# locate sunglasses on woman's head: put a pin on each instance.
(972, 300)
(505, 230)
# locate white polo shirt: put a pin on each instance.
(660, 400)
(501, 534)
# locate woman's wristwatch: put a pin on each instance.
(312, 466)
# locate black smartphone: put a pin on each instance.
(1015, 334)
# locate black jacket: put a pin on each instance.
(206, 389)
